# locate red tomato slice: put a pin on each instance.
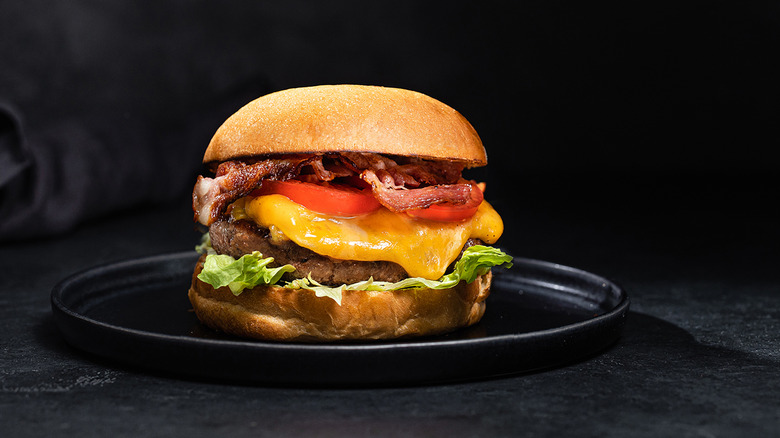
(444, 212)
(451, 212)
(333, 199)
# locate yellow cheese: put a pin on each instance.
(424, 248)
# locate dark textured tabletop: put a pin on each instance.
(629, 140)
(699, 355)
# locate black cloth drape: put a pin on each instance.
(109, 105)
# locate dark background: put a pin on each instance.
(632, 140)
(115, 101)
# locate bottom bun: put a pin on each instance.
(277, 313)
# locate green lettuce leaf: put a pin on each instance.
(476, 260)
(245, 273)
(205, 245)
(252, 270)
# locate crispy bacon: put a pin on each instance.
(235, 179)
(400, 199)
(432, 172)
(411, 184)
(368, 161)
(410, 171)
(330, 166)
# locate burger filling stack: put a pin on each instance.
(341, 213)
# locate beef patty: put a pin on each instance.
(237, 238)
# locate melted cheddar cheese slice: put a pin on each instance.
(423, 248)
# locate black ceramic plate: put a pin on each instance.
(538, 315)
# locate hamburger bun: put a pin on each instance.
(286, 167)
(279, 314)
(347, 118)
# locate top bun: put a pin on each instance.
(347, 118)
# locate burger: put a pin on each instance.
(340, 212)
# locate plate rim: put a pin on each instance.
(615, 314)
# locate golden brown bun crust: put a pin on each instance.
(347, 118)
(275, 313)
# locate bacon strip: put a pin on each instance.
(236, 179)
(412, 171)
(399, 199)
(413, 184)
(330, 167)
(432, 172)
(368, 161)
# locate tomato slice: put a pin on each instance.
(332, 199)
(446, 212)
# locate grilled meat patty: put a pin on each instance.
(239, 237)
